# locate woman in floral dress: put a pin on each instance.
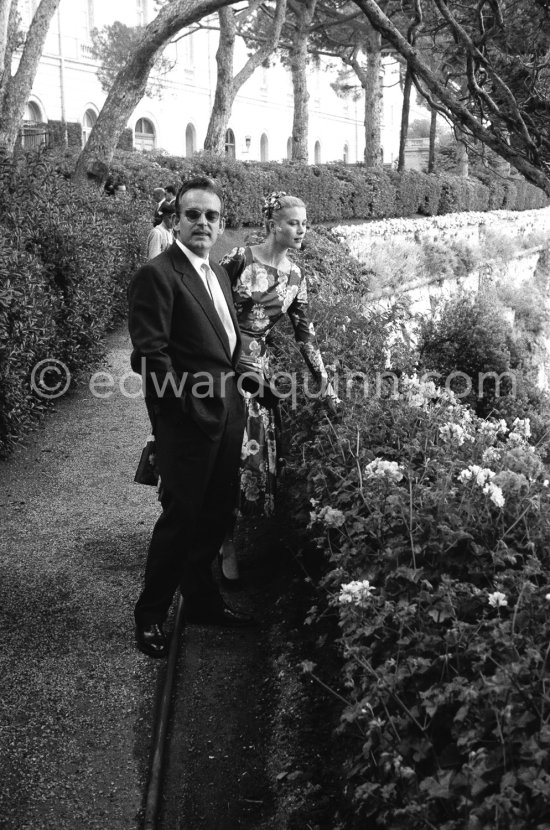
(266, 285)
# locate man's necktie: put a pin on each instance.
(220, 304)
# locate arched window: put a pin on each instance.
(264, 148)
(88, 122)
(34, 133)
(230, 144)
(317, 152)
(144, 135)
(289, 148)
(190, 140)
(346, 153)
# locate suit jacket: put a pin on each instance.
(181, 349)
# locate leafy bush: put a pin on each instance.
(66, 256)
(467, 339)
(435, 526)
(333, 192)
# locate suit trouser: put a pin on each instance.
(199, 476)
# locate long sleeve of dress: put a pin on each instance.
(304, 332)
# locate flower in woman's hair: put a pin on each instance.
(379, 468)
(497, 599)
(272, 203)
(355, 592)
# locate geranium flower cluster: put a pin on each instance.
(520, 432)
(424, 393)
(497, 599)
(380, 468)
(454, 434)
(355, 592)
(482, 477)
(329, 516)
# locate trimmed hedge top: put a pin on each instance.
(332, 192)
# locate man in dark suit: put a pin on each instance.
(186, 347)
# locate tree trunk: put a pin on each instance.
(17, 88)
(462, 165)
(433, 133)
(129, 85)
(227, 85)
(298, 68)
(225, 95)
(373, 100)
(405, 110)
(5, 6)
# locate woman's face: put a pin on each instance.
(289, 226)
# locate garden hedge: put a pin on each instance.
(333, 192)
(66, 255)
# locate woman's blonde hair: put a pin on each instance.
(277, 201)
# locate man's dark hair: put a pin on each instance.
(199, 183)
(170, 189)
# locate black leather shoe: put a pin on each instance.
(220, 616)
(151, 640)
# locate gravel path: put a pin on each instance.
(75, 696)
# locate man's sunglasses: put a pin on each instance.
(193, 215)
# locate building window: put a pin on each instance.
(230, 144)
(289, 148)
(34, 133)
(90, 117)
(188, 54)
(144, 136)
(264, 82)
(346, 153)
(141, 8)
(190, 140)
(264, 148)
(317, 152)
(87, 18)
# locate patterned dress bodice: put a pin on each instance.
(262, 294)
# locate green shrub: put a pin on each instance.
(66, 256)
(416, 193)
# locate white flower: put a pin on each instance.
(379, 468)
(482, 474)
(495, 493)
(250, 448)
(453, 433)
(490, 456)
(356, 592)
(547, 597)
(490, 429)
(259, 281)
(332, 517)
(522, 426)
(497, 599)
(545, 483)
